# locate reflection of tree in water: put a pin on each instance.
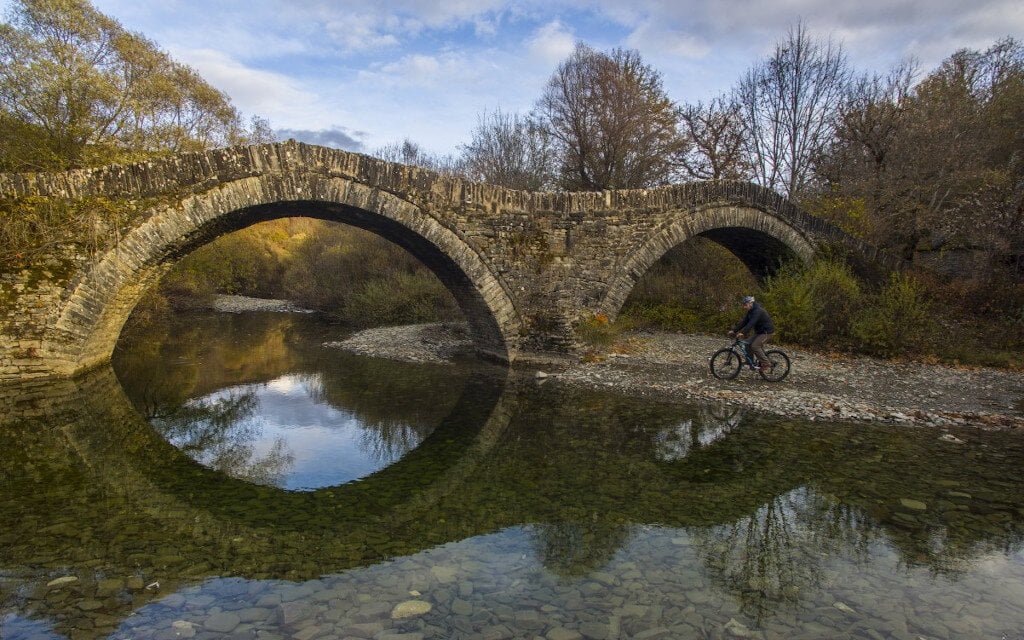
(388, 441)
(219, 433)
(771, 556)
(712, 424)
(573, 549)
(388, 428)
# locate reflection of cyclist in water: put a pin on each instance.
(757, 324)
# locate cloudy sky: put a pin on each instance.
(359, 74)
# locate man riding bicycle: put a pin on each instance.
(759, 324)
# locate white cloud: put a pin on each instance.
(652, 36)
(413, 67)
(426, 68)
(271, 95)
(551, 43)
(867, 28)
(356, 32)
(485, 28)
(452, 70)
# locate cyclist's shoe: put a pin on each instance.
(766, 367)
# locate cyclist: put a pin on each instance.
(758, 324)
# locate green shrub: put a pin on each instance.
(677, 316)
(365, 280)
(598, 331)
(401, 298)
(812, 304)
(898, 321)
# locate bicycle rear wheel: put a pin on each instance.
(725, 364)
(780, 366)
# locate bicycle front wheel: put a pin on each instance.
(725, 364)
(780, 366)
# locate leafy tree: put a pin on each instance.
(510, 150)
(940, 164)
(613, 123)
(77, 89)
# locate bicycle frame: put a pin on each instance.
(744, 348)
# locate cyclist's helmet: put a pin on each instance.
(748, 299)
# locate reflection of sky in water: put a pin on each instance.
(15, 626)
(326, 446)
(635, 570)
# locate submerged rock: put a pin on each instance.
(410, 609)
(916, 505)
(736, 629)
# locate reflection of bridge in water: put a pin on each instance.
(484, 469)
(524, 267)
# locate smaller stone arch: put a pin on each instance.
(755, 237)
(92, 316)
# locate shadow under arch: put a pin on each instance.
(100, 302)
(760, 240)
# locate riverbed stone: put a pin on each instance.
(462, 607)
(916, 505)
(254, 614)
(371, 612)
(443, 574)
(291, 613)
(223, 622)
(109, 587)
(562, 633)
(653, 634)
(594, 630)
(364, 629)
(410, 608)
(90, 604)
(736, 629)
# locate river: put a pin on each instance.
(229, 476)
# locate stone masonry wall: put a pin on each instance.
(524, 266)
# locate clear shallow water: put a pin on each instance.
(520, 511)
(280, 434)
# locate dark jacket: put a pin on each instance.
(757, 319)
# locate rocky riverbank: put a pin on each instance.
(821, 386)
(244, 304)
(437, 342)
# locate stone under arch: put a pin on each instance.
(93, 314)
(755, 237)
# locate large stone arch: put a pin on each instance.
(92, 316)
(754, 236)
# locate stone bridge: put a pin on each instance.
(524, 267)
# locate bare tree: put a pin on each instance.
(411, 153)
(789, 104)
(510, 150)
(871, 116)
(614, 125)
(713, 133)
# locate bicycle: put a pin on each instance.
(726, 362)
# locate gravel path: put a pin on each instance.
(820, 386)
